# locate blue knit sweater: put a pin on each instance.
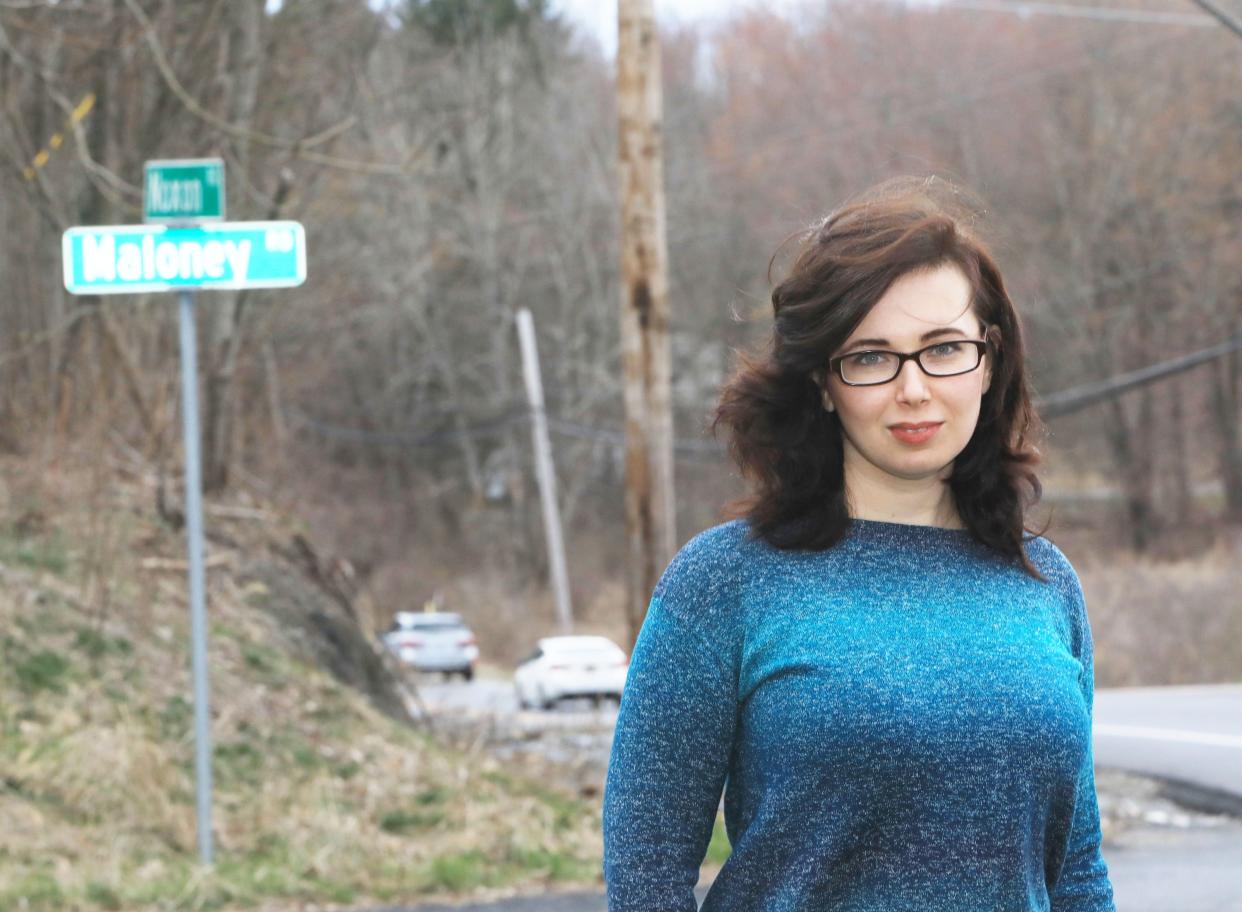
(901, 722)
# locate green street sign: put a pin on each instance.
(183, 190)
(127, 259)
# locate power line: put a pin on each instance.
(405, 439)
(1225, 19)
(1079, 397)
(617, 438)
(1024, 10)
(488, 428)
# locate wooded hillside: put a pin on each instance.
(452, 160)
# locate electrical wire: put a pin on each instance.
(487, 428)
(1025, 9)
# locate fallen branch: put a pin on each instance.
(168, 563)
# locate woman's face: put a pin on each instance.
(917, 310)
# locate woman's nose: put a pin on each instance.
(912, 383)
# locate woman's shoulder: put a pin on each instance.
(1060, 573)
(1051, 562)
(727, 539)
(707, 567)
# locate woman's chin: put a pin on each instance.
(920, 467)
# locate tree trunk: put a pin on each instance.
(1132, 455)
(1225, 415)
(1181, 493)
(225, 313)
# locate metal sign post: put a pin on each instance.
(194, 544)
(183, 254)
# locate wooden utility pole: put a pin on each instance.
(649, 506)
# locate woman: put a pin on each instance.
(888, 678)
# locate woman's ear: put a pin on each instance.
(821, 381)
(993, 332)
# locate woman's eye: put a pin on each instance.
(947, 348)
(867, 359)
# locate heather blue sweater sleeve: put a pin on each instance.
(671, 746)
(1083, 885)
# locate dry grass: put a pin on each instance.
(1156, 621)
(319, 798)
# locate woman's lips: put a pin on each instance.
(915, 433)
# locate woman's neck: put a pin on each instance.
(922, 502)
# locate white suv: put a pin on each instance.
(433, 641)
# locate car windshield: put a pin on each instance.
(584, 648)
(429, 622)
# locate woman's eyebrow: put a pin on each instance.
(926, 337)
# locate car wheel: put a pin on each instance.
(544, 703)
(468, 674)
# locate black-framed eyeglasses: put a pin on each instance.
(946, 358)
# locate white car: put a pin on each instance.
(433, 641)
(571, 666)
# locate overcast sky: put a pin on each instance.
(599, 17)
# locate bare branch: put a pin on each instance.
(106, 181)
(299, 147)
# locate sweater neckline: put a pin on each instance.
(905, 530)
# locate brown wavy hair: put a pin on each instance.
(790, 448)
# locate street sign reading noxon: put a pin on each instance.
(183, 191)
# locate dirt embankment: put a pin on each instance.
(325, 793)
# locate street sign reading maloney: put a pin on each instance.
(183, 190)
(125, 259)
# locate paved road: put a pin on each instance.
(482, 695)
(1190, 734)
(1153, 869)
